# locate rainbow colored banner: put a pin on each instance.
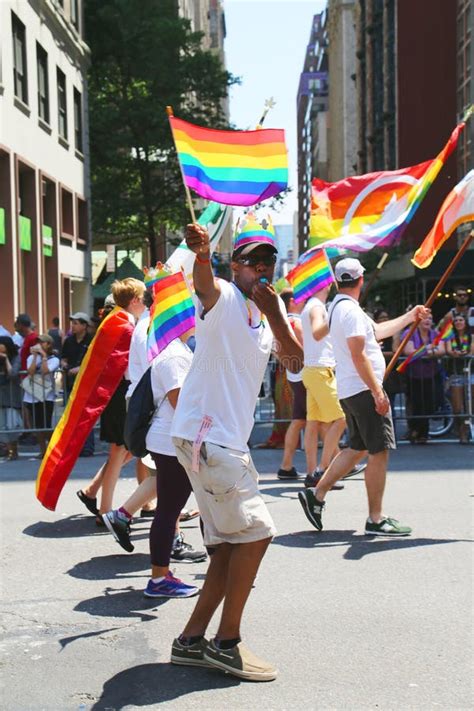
(312, 273)
(171, 314)
(457, 209)
(366, 211)
(239, 168)
(100, 373)
(444, 335)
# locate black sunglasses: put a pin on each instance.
(268, 260)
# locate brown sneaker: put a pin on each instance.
(192, 655)
(240, 662)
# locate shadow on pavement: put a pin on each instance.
(149, 684)
(127, 603)
(75, 526)
(67, 640)
(358, 545)
(107, 567)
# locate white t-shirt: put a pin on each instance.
(316, 353)
(227, 371)
(53, 364)
(137, 358)
(348, 320)
(168, 372)
(294, 377)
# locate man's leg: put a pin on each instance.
(292, 439)
(244, 561)
(311, 445)
(339, 467)
(143, 473)
(212, 591)
(375, 477)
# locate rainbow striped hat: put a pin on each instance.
(250, 234)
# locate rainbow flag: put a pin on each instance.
(171, 314)
(457, 209)
(312, 273)
(238, 168)
(445, 334)
(100, 373)
(366, 211)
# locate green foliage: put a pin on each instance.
(144, 57)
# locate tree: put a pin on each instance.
(144, 57)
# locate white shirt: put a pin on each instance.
(168, 372)
(294, 377)
(53, 364)
(137, 358)
(348, 320)
(227, 371)
(316, 353)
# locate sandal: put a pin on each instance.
(89, 502)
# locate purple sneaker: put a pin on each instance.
(170, 587)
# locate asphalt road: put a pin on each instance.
(351, 622)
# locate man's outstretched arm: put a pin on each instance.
(206, 287)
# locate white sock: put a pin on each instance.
(158, 580)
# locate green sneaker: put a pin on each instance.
(240, 662)
(191, 655)
(312, 508)
(386, 527)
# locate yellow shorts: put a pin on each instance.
(321, 395)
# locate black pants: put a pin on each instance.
(422, 396)
(172, 490)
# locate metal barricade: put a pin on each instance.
(431, 401)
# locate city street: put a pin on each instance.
(351, 622)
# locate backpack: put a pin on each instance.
(140, 411)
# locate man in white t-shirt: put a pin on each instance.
(237, 325)
(360, 369)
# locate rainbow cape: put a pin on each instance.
(100, 373)
(171, 314)
(457, 208)
(239, 168)
(445, 334)
(373, 210)
(312, 273)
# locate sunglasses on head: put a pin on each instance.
(267, 259)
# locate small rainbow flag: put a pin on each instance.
(373, 210)
(171, 314)
(444, 335)
(312, 273)
(238, 168)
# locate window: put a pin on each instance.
(67, 215)
(62, 105)
(20, 77)
(78, 119)
(43, 86)
(75, 13)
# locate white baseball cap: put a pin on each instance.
(348, 269)
(80, 316)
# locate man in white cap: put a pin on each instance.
(360, 369)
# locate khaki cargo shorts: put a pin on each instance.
(226, 490)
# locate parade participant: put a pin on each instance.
(295, 380)
(128, 295)
(237, 325)
(360, 368)
(459, 346)
(325, 415)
